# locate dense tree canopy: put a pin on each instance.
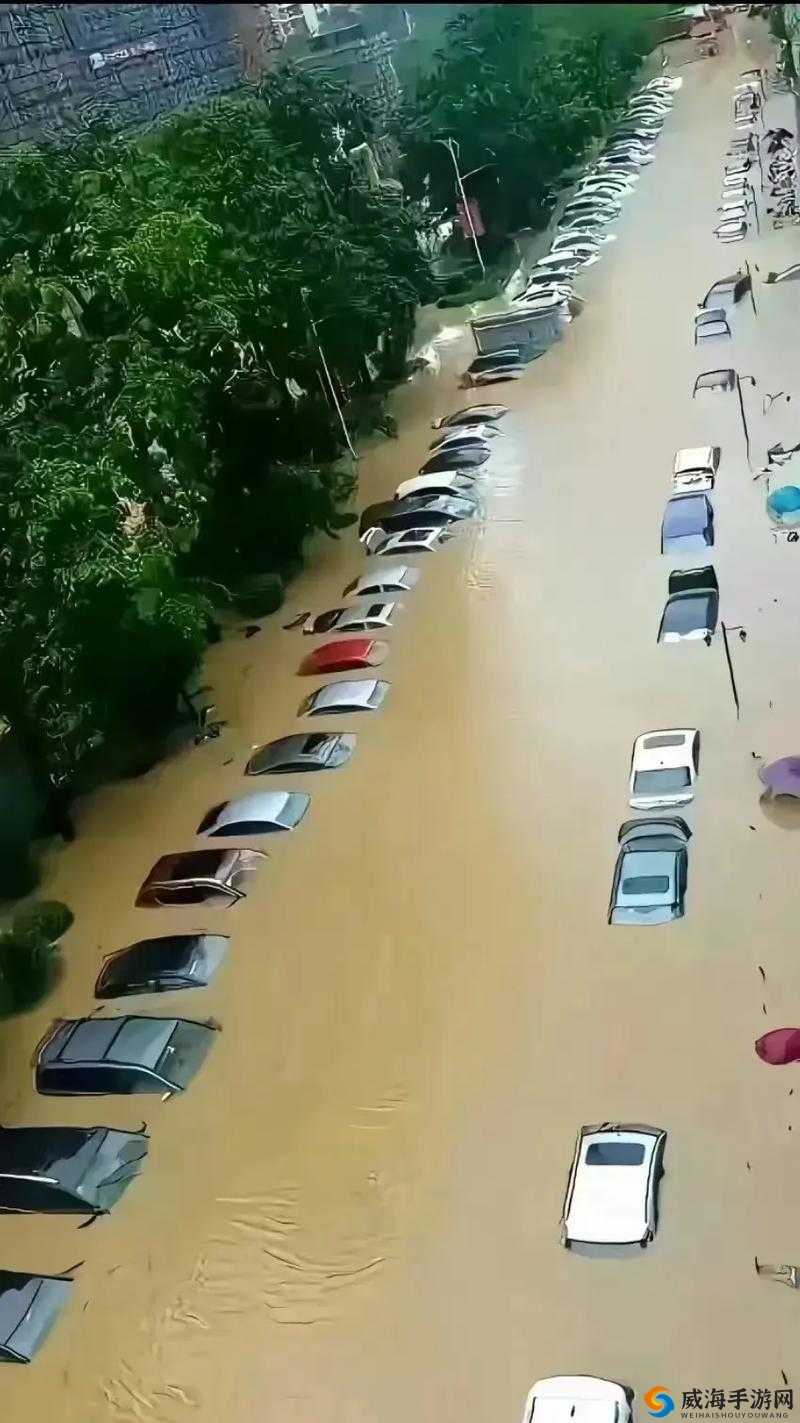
(165, 426)
(523, 98)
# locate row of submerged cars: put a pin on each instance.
(583, 225)
(611, 1199)
(85, 1170)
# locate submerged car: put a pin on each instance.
(338, 698)
(612, 1192)
(495, 374)
(363, 618)
(694, 470)
(164, 965)
(649, 885)
(264, 813)
(664, 768)
(692, 607)
(214, 877)
(317, 751)
(455, 482)
(93, 1057)
(29, 1307)
(391, 578)
(425, 539)
(471, 415)
(67, 1170)
(577, 1399)
(421, 510)
(493, 358)
(687, 525)
(350, 654)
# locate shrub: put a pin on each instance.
(41, 924)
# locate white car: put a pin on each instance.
(336, 698)
(450, 481)
(394, 578)
(577, 1399)
(422, 540)
(664, 768)
(613, 1186)
(694, 471)
(366, 617)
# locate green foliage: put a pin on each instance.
(42, 923)
(29, 953)
(164, 423)
(523, 99)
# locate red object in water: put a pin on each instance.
(780, 1046)
(343, 655)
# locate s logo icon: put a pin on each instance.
(658, 1402)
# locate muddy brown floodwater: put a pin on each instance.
(352, 1215)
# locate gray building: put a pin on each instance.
(63, 64)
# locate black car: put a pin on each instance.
(161, 965)
(67, 1170)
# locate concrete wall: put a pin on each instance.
(60, 64)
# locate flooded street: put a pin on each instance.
(352, 1216)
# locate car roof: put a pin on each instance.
(609, 1203)
(659, 750)
(133, 1041)
(399, 573)
(29, 1305)
(283, 809)
(190, 865)
(686, 514)
(355, 693)
(165, 956)
(446, 479)
(700, 457)
(343, 649)
(72, 1159)
(318, 747)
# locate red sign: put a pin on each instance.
(464, 221)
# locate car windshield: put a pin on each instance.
(668, 779)
(685, 516)
(685, 614)
(645, 884)
(615, 1153)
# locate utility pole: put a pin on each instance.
(324, 363)
(451, 147)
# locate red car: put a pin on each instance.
(344, 655)
(780, 1046)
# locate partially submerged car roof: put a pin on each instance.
(70, 1170)
(120, 1055)
(261, 813)
(167, 963)
(390, 578)
(470, 414)
(29, 1307)
(702, 458)
(306, 751)
(337, 697)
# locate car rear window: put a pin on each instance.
(615, 1153)
(646, 884)
(666, 740)
(668, 779)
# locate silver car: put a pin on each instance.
(650, 876)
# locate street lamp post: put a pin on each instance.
(324, 363)
(451, 146)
